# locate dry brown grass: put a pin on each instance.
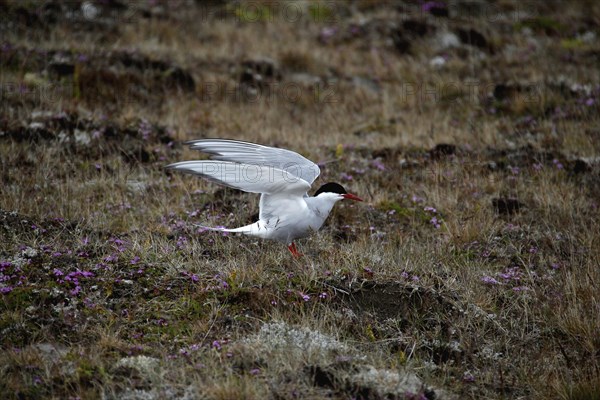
(492, 303)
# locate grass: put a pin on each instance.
(434, 287)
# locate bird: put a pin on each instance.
(283, 179)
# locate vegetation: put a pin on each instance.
(470, 129)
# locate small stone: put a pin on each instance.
(507, 205)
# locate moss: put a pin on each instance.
(543, 24)
(400, 210)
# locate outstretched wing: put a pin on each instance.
(253, 178)
(256, 154)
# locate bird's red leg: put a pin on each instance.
(292, 248)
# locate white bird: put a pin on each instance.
(283, 179)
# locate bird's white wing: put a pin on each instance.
(256, 154)
(253, 178)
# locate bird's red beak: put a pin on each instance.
(351, 196)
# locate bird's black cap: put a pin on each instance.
(331, 187)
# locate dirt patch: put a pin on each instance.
(396, 300)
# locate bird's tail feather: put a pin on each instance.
(242, 229)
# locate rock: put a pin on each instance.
(503, 91)
(61, 68)
(580, 166)
(177, 77)
(417, 27)
(472, 37)
(366, 83)
(50, 352)
(34, 79)
(445, 40)
(136, 186)
(171, 75)
(304, 79)
(410, 30)
(34, 126)
(89, 10)
(364, 381)
(401, 42)
(437, 62)
(143, 364)
(441, 150)
(82, 138)
(507, 205)
(322, 377)
(259, 72)
(584, 164)
(438, 9)
(588, 37)
(296, 342)
(385, 383)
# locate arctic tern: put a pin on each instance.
(283, 179)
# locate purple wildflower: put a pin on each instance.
(111, 258)
(511, 274)
(557, 164)
(88, 303)
(468, 377)
(327, 33)
(181, 242)
(430, 5)
(304, 296)
(378, 164)
(145, 129)
(416, 199)
(533, 250)
(489, 280)
(346, 177)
